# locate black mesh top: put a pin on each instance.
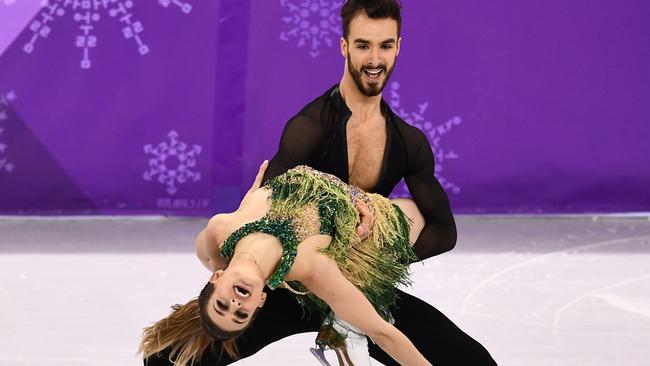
(316, 136)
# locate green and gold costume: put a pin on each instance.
(306, 202)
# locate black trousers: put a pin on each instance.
(434, 335)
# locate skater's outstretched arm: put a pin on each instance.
(328, 283)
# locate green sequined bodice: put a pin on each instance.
(290, 225)
(281, 229)
(306, 202)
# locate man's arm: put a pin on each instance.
(300, 142)
(439, 232)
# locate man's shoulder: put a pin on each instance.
(408, 131)
(416, 144)
(313, 109)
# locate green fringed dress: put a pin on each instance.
(306, 202)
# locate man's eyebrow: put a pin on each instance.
(238, 322)
(365, 41)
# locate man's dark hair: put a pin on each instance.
(375, 9)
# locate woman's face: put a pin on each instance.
(236, 296)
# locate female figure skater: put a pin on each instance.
(297, 232)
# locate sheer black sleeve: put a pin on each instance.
(300, 142)
(439, 233)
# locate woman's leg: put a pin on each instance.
(434, 335)
(280, 317)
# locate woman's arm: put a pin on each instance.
(328, 283)
(207, 250)
(207, 242)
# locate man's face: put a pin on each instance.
(371, 49)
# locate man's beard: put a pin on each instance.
(373, 89)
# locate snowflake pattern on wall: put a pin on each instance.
(312, 23)
(88, 13)
(5, 99)
(433, 132)
(172, 162)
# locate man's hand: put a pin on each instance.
(366, 220)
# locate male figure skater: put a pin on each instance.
(351, 132)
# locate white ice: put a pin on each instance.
(551, 290)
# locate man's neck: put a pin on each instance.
(362, 107)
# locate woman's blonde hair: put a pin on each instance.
(188, 332)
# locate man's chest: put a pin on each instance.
(366, 145)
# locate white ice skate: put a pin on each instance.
(348, 342)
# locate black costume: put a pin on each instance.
(316, 136)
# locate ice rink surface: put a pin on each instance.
(550, 290)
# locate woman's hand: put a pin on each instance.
(257, 183)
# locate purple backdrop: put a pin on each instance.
(169, 107)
